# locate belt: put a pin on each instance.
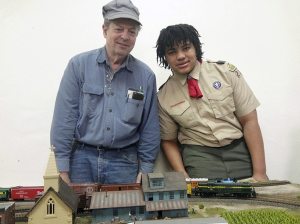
(98, 147)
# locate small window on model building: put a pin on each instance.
(171, 195)
(150, 197)
(50, 207)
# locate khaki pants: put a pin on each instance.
(232, 161)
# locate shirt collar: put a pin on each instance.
(102, 58)
(194, 74)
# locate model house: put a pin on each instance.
(58, 204)
(165, 195)
(162, 195)
(127, 205)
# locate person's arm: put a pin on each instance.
(172, 152)
(254, 141)
(149, 130)
(64, 119)
(65, 177)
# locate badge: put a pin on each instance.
(217, 85)
(231, 67)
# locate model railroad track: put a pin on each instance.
(263, 200)
(270, 183)
(278, 201)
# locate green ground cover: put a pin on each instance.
(260, 216)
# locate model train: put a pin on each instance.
(219, 188)
(29, 193)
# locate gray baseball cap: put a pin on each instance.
(121, 9)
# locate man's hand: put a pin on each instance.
(65, 177)
(139, 178)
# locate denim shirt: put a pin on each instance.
(96, 110)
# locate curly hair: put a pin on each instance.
(174, 35)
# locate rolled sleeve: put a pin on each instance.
(63, 164)
(146, 167)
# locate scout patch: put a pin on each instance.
(217, 85)
(231, 67)
(234, 69)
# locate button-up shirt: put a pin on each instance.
(213, 119)
(96, 107)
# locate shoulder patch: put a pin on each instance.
(234, 69)
(231, 67)
(164, 83)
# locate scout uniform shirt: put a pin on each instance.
(213, 119)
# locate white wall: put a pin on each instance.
(37, 38)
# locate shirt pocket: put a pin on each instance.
(222, 102)
(93, 98)
(183, 114)
(133, 111)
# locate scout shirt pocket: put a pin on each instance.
(222, 102)
(133, 110)
(92, 98)
(183, 113)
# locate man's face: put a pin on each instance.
(120, 36)
(181, 57)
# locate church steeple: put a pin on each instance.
(51, 174)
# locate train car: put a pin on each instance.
(26, 193)
(4, 194)
(224, 188)
(192, 183)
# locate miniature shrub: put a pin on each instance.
(201, 206)
(261, 216)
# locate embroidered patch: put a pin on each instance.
(217, 85)
(231, 67)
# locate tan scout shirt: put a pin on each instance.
(210, 120)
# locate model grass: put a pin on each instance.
(265, 216)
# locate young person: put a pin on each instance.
(208, 119)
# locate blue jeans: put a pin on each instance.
(106, 166)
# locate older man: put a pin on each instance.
(105, 127)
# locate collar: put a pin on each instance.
(102, 59)
(194, 74)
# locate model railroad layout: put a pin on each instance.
(198, 190)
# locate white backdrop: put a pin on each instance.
(37, 38)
